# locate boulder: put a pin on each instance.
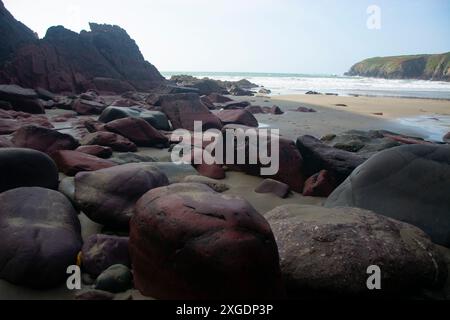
(26, 168)
(41, 237)
(447, 138)
(276, 110)
(318, 156)
(290, 169)
(407, 183)
(10, 125)
(232, 105)
(183, 109)
(87, 107)
(43, 139)
(72, 162)
(5, 143)
(213, 171)
(156, 119)
(102, 251)
(21, 99)
(180, 240)
(217, 98)
(108, 196)
(235, 90)
(254, 109)
(115, 279)
(326, 252)
(212, 183)
(321, 184)
(305, 109)
(131, 157)
(272, 186)
(238, 117)
(138, 131)
(96, 150)
(109, 139)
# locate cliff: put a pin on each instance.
(104, 58)
(425, 66)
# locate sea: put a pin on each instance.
(284, 83)
(434, 126)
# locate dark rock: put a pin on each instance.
(183, 109)
(213, 171)
(272, 186)
(446, 138)
(103, 251)
(41, 237)
(43, 139)
(235, 90)
(45, 94)
(13, 34)
(155, 118)
(111, 62)
(318, 156)
(86, 107)
(254, 109)
(95, 150)
(94, 295)
(305, 109)
(108, 196)
(264, 91)
(5, 105)
(115, 279)
(276, 110)
(217, 98)
(8, 126)
(321, 184)
(21, 99)
(72, 162)
(235, 105)
(26, 168)
(131, 157)
(180, 240)
(109, 139)
(290, 169)
(326, 252)
(5, 143)
(407, 183)
(138, 131)
(313, 92)
(212, 183)
(238, 117)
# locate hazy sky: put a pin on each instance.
(296, 36)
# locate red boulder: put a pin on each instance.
(238, 117)
(72, 162)
(189, 242)
(321, 184)
(95, 150)
(109, 139)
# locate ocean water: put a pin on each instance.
(280, 83)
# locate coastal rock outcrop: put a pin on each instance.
(426, 67)
(327, 252)
(189, 242)
(407, 183)
(107, 59)
(41, 237)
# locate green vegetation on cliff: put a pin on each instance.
(424, 66)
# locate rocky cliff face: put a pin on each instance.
(105, 58)
(426, 67)
(12, 34)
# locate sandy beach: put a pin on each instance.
(425, 118)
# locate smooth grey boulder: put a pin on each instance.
(326, 252)
(115, 279)
(40, 237)
(408, 183)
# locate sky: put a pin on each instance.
(285, 36)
